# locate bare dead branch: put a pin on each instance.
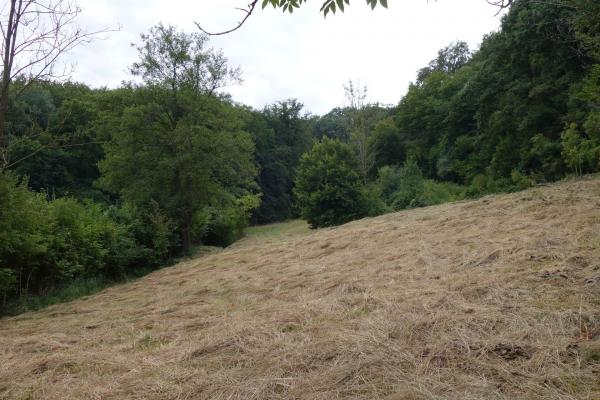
(501, 4)
(248, 13)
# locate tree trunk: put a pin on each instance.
(186, 237)
(3, 141)
(9, 37)
(3, 110)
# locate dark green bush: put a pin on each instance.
(225, 226)
(442, 192)
(151, 230)
(25, 235)
(484, 184)
(328, 187)
(402, 188)
(374, 203)
(46, 245)
(86, 241)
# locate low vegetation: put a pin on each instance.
(489, 299)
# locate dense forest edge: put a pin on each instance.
(99, 185)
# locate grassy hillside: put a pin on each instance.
(491, 299)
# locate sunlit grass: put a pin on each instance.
(277, 229)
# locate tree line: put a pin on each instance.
(100, 182)
(522, 109)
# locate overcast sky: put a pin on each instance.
(302, 55)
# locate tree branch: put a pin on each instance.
(248, 12)
(501, 4)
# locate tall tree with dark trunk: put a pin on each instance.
(181, 146)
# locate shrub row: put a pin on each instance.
(45, 244)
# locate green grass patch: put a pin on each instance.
(71, 291)
(74, 290)
(277, 229)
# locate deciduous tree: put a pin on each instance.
(328, 186)
(180, 146)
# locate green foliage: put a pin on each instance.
(450, 59)
(204, 160)
(374, 202)
(8, 281)
(151, 229)
(402, 187)
(178, 145)
(581, 139)
(326, 7)
(475, 118)
(225, 226)
(411, 187)
(483, 184)
(586, 25)
(328, 188)
(334, 125)
(282, 135)
(435, 192)
(49, 244)
(388, 182)
(175, 60)
(65, 292)
(543, 158)
(405, 187)
(579, 153)
(25, 234)
(364, 119)
(85, 241)
(181, 164)
(52, 139)
(386, 144)
(519, 181)
(178, 169)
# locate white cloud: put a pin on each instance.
(302, 55)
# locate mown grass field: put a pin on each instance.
(497, 298)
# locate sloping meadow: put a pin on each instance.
(497, 298)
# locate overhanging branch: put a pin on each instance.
(501, 4)
(248, 13)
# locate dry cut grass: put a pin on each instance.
(491, 299)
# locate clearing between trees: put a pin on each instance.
(497, 298)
